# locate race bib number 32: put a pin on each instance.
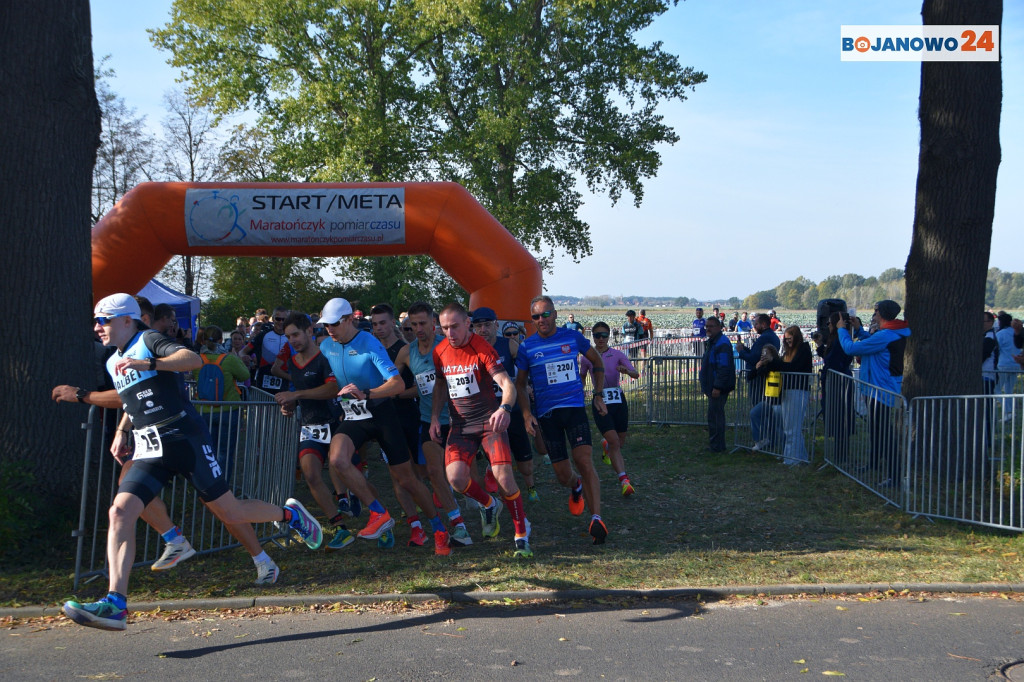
(561, 371)
(612, 396)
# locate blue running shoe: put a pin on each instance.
(101, 614)
(386, 539)
(304, 524)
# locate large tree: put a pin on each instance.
(189, 154)
(515, 100)
(956, 191)
(48, 145)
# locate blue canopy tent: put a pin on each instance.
(186, 308)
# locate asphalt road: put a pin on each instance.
(939, 638)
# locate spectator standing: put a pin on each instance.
(646, 322)
(881, 366)
(796, 365)
(744, 325)
(717, 380)
(836, 393)
(734, 322)
(751, 356)
(573, 324)
(699, 324)
(1008, 340)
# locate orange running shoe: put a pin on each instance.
(377, 525)
(598, 531)
(576, 502)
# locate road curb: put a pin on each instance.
(478, 597)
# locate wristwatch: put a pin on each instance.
(80, 395)
(507, 408)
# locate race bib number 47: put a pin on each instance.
(561, 371)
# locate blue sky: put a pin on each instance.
(787, 156)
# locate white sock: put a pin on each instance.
(261, 558)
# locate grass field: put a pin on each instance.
(698, 519)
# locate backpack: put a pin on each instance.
(212, 384)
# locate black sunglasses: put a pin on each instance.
(600, 335)
(546, 314)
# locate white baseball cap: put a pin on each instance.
(334, 310)
(118, 305)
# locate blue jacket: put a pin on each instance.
(881, 360)
(753, 354)
(716, 367)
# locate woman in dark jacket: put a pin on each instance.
(796, 364)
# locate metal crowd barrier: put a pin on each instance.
(782, 425)
(865, 434)
(255, 446)
(667, 392)
(964, 459)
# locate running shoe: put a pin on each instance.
(267, 572)
(386, 539)
(523, 548)
(576, 502)
(99, 614)
(417, 538)
(598, 531)
(174, 553)
(489, 518)
(304, 524)
(490, 482)
(441, 545)
(627, 488)
(460, 535)
(531, 495)
(342, 538)
(344, 507)
(355, 506)
(547, 459)
(377, 524)
(604, 457)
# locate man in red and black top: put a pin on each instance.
(265, 346)
(477, 420)
(315, 386)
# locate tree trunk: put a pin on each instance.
(48, 142)
(956, 190)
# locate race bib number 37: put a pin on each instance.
(462, 385)
(561, 371)
(318, 433)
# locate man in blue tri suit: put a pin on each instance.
(698, 324)
(368, 379)
(549, 359)
(167, 442)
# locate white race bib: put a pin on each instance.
(425, 382)
(355, 410)
(561, 371)
(272, 383)
(147, 443)
(318, 433)
(612, 395)
(462, 385)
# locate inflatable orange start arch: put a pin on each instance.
(156, 221)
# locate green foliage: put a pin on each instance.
(400, 281)
(762, 300)
(513, 100)
(19, 520)
(244, 284)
